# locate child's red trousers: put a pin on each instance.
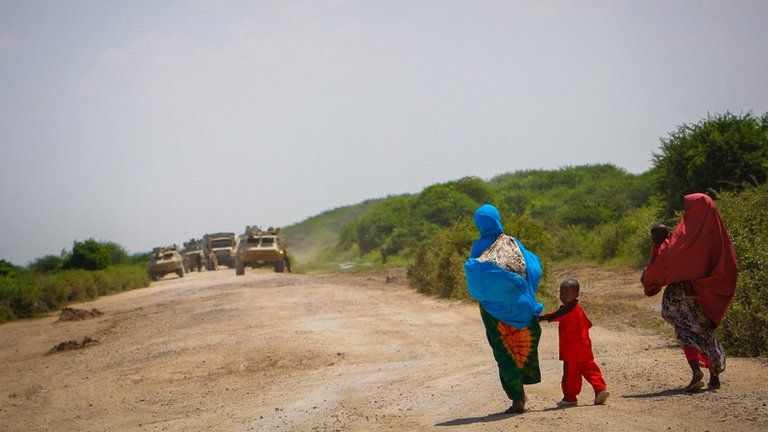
(572, 373)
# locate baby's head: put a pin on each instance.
(569, 291)
(659, 233)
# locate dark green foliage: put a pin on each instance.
(588, 211)
(7, 269)
(586, 196)
(140, 258)
(443, 205)
(571, 203)
(720, 153)
(624, 240)
(89, 255)
(744, 329)
(406, 237)
(47, 264)
(438, 263)
(397, 225)
(31, 294)
(117, 253)
(475, 188)
(374, 228)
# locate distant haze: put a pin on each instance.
(148, 123)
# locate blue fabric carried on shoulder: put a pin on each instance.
(506, 295)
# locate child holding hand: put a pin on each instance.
(575, 347)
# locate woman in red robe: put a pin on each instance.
(697, 264)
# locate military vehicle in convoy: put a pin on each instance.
(221, 248)
(165, 260)
(194, 257)
(257, 248)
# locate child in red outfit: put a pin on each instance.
(575, 347)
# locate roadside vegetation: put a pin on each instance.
(744, 330)
(597, 214)
(89, 270)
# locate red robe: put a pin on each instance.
(699, 251)
(573, 330)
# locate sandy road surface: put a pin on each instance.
(328, 352)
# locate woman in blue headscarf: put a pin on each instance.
(508, 306)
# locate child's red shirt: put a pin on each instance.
(573, 329)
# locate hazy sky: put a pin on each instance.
(151, 122)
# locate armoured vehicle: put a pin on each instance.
(222, 245)
(257, 248)
(194, 257)
(165, 260)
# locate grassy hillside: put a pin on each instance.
(311, 236)
(590, 213)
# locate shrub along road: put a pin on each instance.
(322, 352)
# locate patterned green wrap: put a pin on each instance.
(516, 353)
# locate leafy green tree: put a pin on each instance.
(443, 205)
(376, 226)
(117, 252)
(473, 187)
(724, 152)
(140, 257)
(47, 264)
(6, 268)
(89, 255)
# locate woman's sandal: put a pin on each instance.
(518, 407)
(714, 382)
(697, 382)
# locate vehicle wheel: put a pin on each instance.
(239, 268)
(280, 266)
(153, 277)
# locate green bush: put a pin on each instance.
(624, 241)
(117, 253)
(140, 258)
(374, 228)
(7, 269)
(47, 264)
(397, 225)
(20, 296)
(723, 152)
(438, 264)
(89, 255)
(31, 294)
(744, 330)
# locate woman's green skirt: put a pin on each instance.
(516, 352)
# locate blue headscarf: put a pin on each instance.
(488, 221)
(505, 295)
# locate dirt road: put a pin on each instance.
(270, 351)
